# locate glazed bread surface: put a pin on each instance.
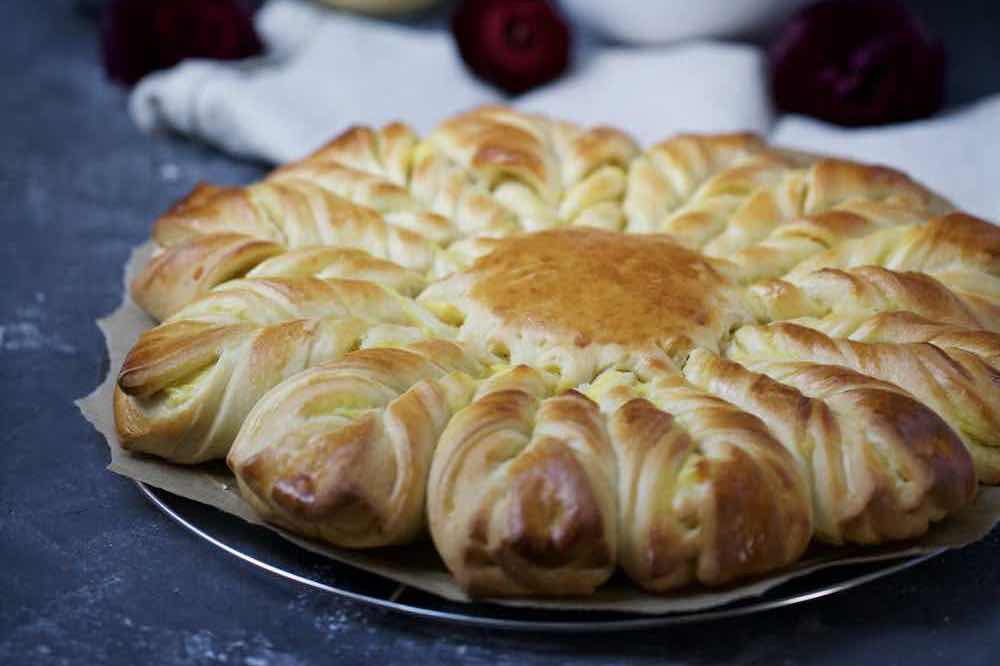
(556, 354)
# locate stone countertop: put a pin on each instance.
(91, 573)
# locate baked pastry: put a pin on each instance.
(559, 354)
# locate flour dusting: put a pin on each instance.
(28, 332)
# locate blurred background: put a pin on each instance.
(967, 29)
(908, 83)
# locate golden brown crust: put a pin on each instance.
(521, 492)
(574, 300)
(341, 452)
(881, 465)
(340, 262)
(909, 327)
(494, 171)
(811, 210)
(705, 492)
(835, 181)
(638, 290)
(766, 346)
(210, 209)
(187, 405)
(942, 243)
(186, 386)
(958, 385)
(190, 269)
(385, 152)
(157, 359)
(864, 291)
(666, 177)
(300, 215)
(351, 193)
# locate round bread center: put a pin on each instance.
(604, 287)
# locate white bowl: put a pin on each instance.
(381, 7)
(661, 21)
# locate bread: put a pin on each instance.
(558, 355)
(705, 492)
(880, 464)
(572, 302)
(960, 386)
(185, 388)
(522, 491)
(342, 452)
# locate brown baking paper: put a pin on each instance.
(420, 567)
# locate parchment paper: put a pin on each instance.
(418, 566)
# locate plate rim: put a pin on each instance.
(626, 623)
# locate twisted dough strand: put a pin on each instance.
(866, 290)
(341, 452)
(881, 465)
(522, 491)
(958, 385)
(309, 216)
(852, 410)
(186, 386)
(705, 492)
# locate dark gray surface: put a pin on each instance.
(91, 573)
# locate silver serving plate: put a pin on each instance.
(267, 551)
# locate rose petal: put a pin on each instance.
(857, 62)
(141, 36)
(514, 44)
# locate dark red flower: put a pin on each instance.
(514, 44)
(857, 62)
(140, 36)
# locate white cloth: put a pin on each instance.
(325, 71)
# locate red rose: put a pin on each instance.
(514, 44)
(857, 62)
(140, 36)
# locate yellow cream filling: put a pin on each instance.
(344, 405)
(446, 312)
(179, 394)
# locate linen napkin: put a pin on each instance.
(326, 70)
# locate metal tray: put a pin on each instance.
(269, 552)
